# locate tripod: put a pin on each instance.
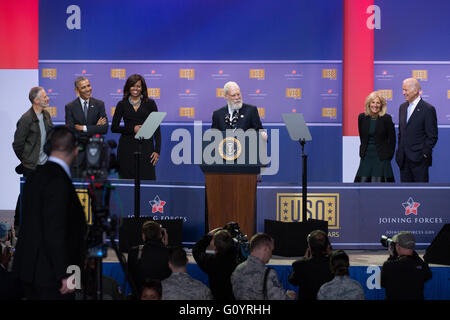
(137, 180)
(103, 223)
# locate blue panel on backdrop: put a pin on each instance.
(356, 216)
(324, 155)
(190, 29)
(413, 30)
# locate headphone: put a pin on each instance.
(48, 142)
(316, 232)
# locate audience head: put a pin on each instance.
(151, 231)
(223, 241)
(404, 243)
(339, 263)
(178, 259)
(318, 243)
(62, 143)
(135, 86)
(151, 290)
(261, 246)
(4, 229)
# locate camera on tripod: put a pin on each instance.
(99, 158)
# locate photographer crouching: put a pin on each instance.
(404, 273)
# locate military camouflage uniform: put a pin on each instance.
(341, 288)
(181, 286)
(248, 281)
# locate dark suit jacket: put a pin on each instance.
(53, 230)
(153, 264)
(384, 136)
(248, 118)
(309, 274)
(96, 110)
(218, 267)
(417, 137)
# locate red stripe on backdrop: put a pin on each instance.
(357, 64)
(19, 34)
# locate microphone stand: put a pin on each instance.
(137, 180)
(304, 180)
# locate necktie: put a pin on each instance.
(409, 112)
(85, 110)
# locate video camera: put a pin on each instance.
(99, 159)
(239, 239)
(388, 243)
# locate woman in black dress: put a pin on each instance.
(377, 135)
(134, 108)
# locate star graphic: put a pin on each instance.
(410, 206)
(157, 204)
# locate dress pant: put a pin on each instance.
(414, 171)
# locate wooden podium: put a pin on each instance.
(230, 179)
(231, 197)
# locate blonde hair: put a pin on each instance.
(372, 96)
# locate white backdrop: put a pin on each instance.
(14, 88)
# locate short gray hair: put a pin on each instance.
(228, 86)
(414, 82)
(34, 92)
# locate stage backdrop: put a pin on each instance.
(411, 39)
(358, 215)
(188, 50)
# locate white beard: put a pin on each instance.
(235, 106)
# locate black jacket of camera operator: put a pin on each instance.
(404, 277)
(218, 267)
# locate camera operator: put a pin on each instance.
(404, 273)
(220, 265)
(150, 260)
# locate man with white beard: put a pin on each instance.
(236, 114)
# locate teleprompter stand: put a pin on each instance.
(290, 237)
(298, 131)
(99, 193)
(146, 132)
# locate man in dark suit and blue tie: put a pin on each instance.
(86, 115)
(417, 134)
(236, 114)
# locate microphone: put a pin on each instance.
(235, 118)
(227, 119)
(233, 121)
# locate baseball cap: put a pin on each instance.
(405, 239)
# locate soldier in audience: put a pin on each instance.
(252, 280)
(341, 287)
(180, 285)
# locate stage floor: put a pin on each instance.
(357, 257)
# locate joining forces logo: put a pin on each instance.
(157, 204)
(410, 207)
